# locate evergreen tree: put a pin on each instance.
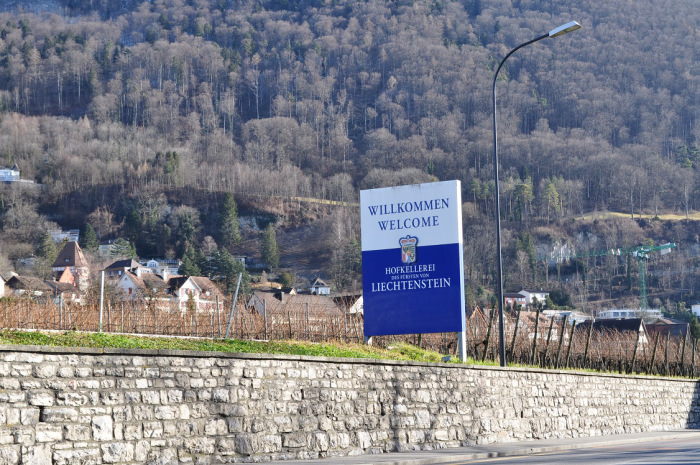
(270, 252)
(227, 270)
(189, 265)
(229, 232)
(132, 222)
(695, 328)
(88, 240)
(123, 249)
(47, 248)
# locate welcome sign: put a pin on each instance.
(412, 261)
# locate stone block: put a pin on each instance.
(166, 412)
(39, 454)
(9, 455)
(152, 429)
(49, 432)
(77, 432)
(24, 435)
(215, 427)
(59, 414)
(103, 428)
(9, 384)
(141, 450)
(132, 431)
(45, 370)
(77, 457)
(247, 444)
(29, 416)
(41, 398)
(162, 456)
(150, 397)
(117, 452)
(201, 445)
(122, 413)
(71, 399)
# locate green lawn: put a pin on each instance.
(398, 351)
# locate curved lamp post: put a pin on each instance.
(561, 30)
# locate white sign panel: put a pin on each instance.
(412, 265)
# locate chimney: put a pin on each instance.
(138, 271)
(164, 274)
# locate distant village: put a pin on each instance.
(157, 284)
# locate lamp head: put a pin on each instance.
(566, 28)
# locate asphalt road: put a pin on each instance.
(653, 452)
(647, 448)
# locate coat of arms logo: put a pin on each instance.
(408, 249)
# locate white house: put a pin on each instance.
(179, 292)
(70, 235)
(629, 313)
(144, 288)
(531, 295)
(695, 308)
(319, 287)
(9, 174)
(195, 292)
(163, 267)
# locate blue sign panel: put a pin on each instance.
(412, 263)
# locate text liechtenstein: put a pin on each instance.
(411, 285)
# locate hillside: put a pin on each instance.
(138, 117)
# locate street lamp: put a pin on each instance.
(561, 30)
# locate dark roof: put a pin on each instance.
(207, 286)
(295, 304)
(678, 329)
(319, 282)
(147, 282)
(71, 255)
(126, 264)
(59, 288)
(28, 283)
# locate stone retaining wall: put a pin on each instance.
(88, 406)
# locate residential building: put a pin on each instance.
(9, 174)
(695, 308)
(664, 329)
(511, 299)
(176, 292)
(319, 287)
(71, 256)
(118, 268)
(350, 304)
(164, 267)
(65, 292)
(195, 292)
(648, 314)
(70, 235)
(632, 328)
(310, 311)
(146, 288)
(27, 286)
(532, 296)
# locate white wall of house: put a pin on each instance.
(695, 308)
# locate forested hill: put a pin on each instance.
(322, 98)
